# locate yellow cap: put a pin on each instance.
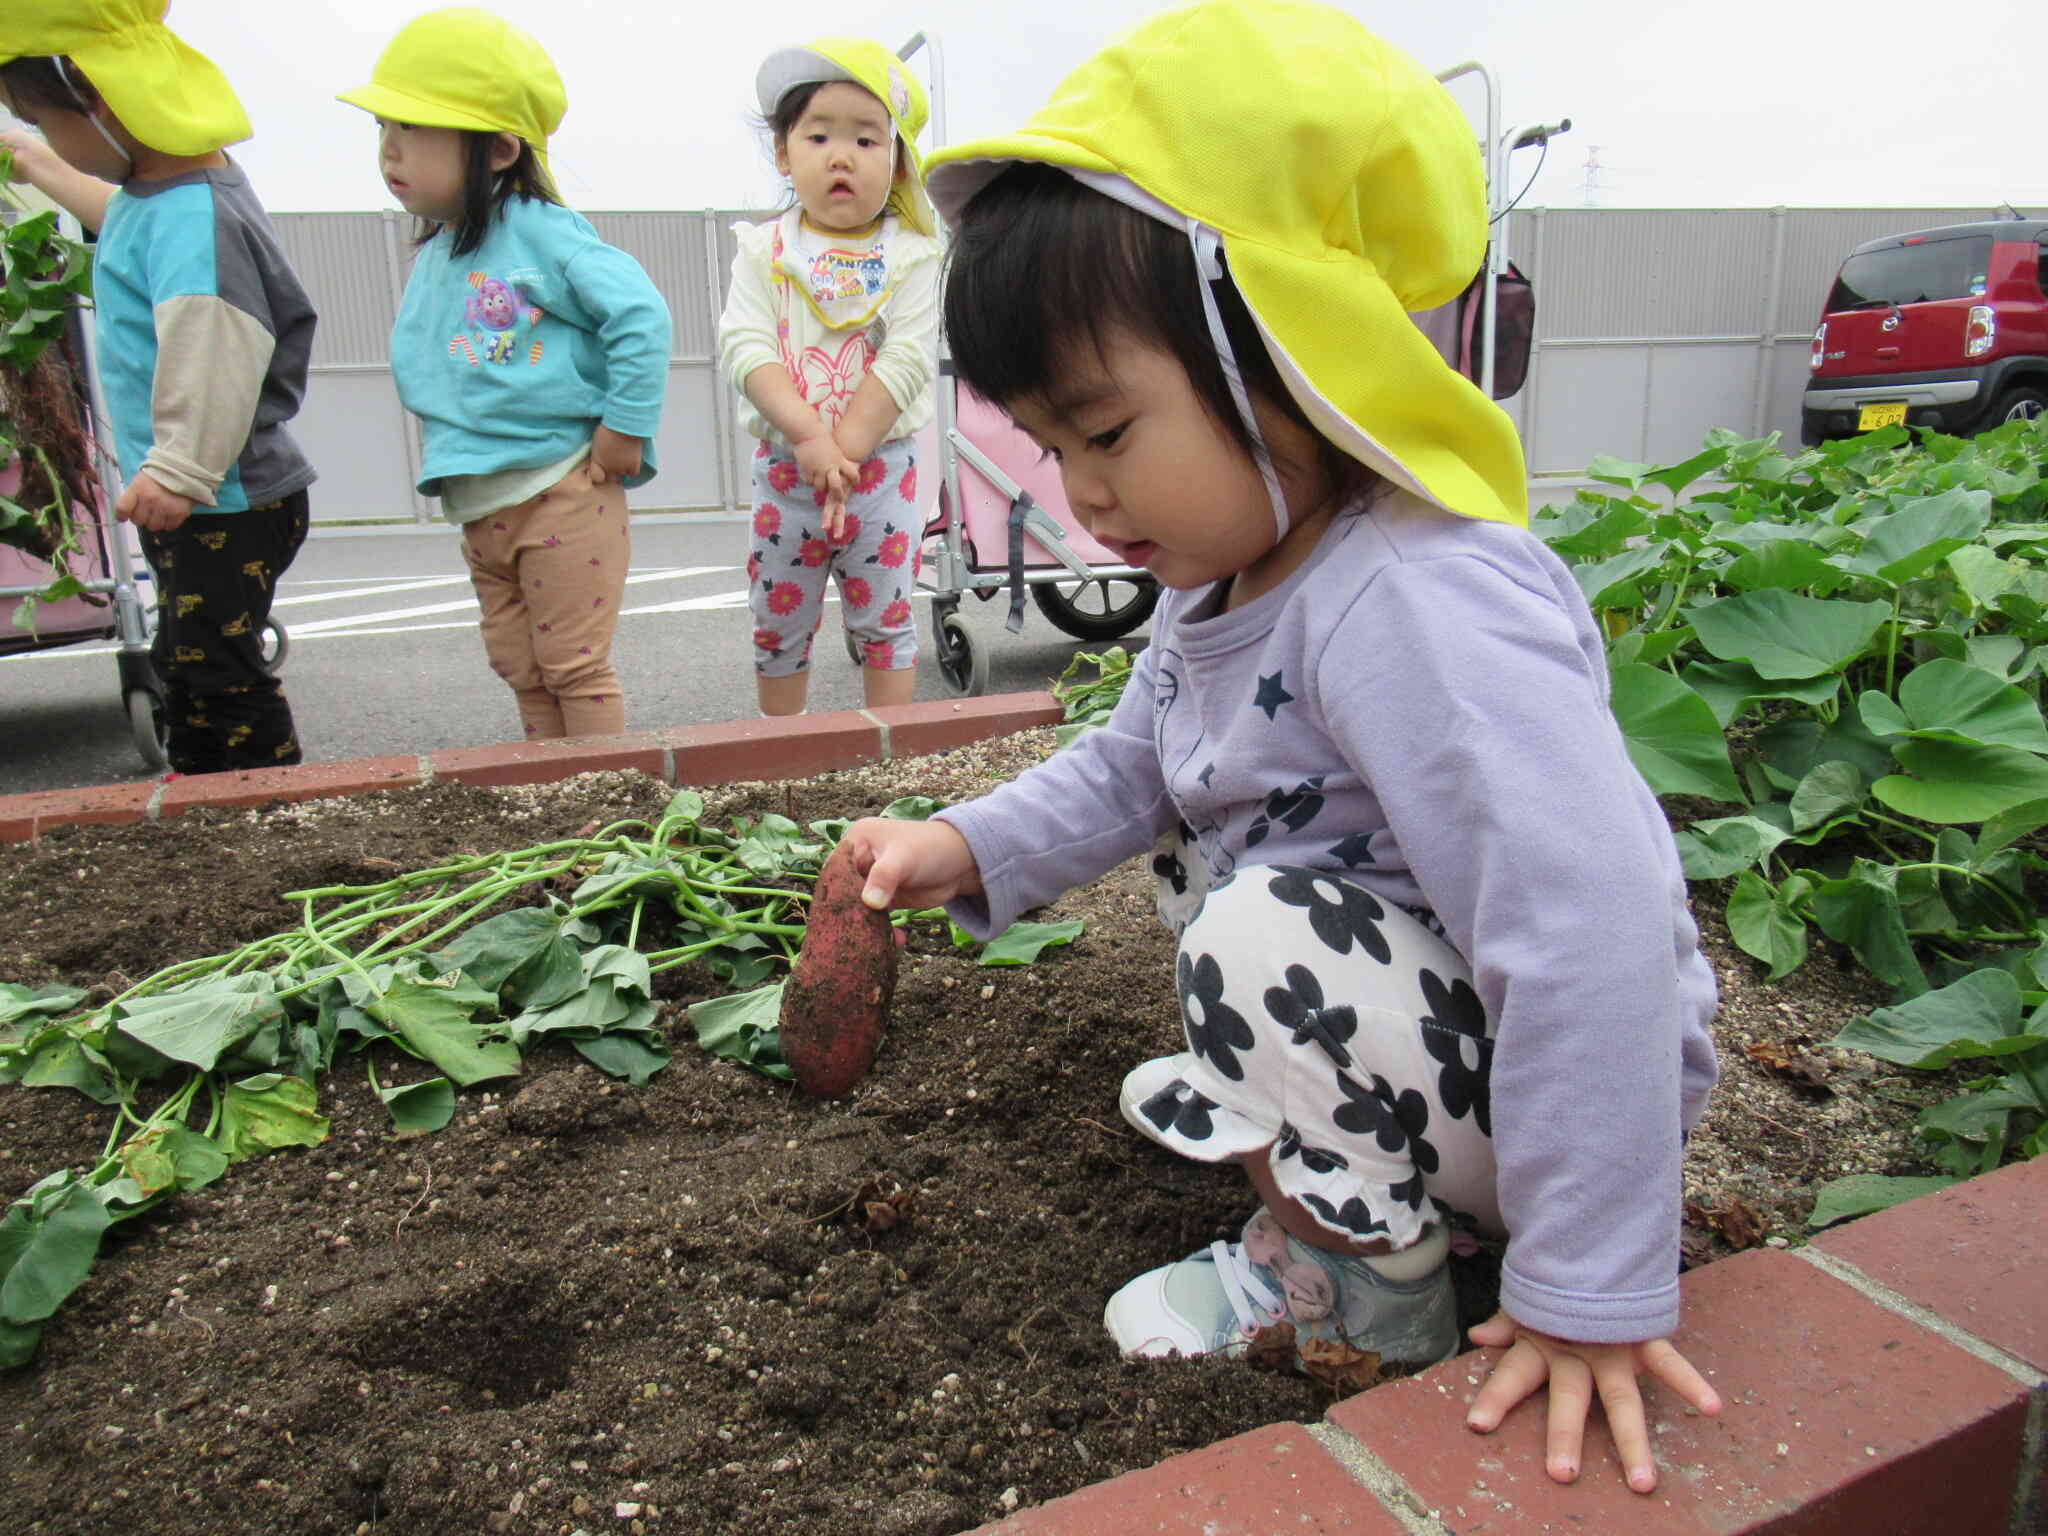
(165, 92)
(882, 75)
(462, 67)
(1347, 188)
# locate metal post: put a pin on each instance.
(408, 425)
(724, 409)
(1496, 168)
(1760, 411)
(1532, 394)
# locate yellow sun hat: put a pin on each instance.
(167, 93)
(882, 75)
(462, 67)
(1345, 186)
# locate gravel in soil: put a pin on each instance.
(706, 1305)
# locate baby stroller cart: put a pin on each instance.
(1002, 524)
(111, 606)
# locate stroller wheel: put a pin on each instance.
(962, 663)
(276, 645)
(146, 727)
(1104, 609)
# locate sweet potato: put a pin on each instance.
(837, 997)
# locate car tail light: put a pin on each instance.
(1979, 331)
(1820, 347)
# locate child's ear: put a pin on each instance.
(505, 150)
(782, 156)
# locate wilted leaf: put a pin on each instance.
(266, 1113)
(1796, 1066)
(1736, 1223)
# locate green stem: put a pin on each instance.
(767, 892)
(171, 1111)
(1671, 611)
(2006, 898)
(1891, 651)
(342, 955)
(1904, 826)
(668, 959)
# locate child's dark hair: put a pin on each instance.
(790, 110)
(485, 191)
(1040, 262)
(48, 80)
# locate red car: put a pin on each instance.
(1944, 328)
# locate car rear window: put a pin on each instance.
(1914, 274)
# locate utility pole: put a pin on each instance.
(1593, 186)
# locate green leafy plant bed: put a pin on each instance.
(1844, 650)
(695, 1293)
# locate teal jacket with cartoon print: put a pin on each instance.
(513, 355)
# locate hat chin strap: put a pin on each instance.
(91, 116)
(1208, 246)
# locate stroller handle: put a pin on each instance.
(1542, 133)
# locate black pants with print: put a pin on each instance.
(216, 575)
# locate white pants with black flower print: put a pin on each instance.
(1342, 1032)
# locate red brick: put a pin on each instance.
(1275, 1479)
(105, 805)
(17, 823)
(1974, 1255)
(1839, 1416)
(544, 762)
(789, 747)
(918, 729)
(302, 781)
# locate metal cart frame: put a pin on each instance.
(108, 570)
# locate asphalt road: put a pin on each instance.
(385, 656)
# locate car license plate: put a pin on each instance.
(1886, 413)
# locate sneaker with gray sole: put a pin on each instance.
(1269, 1290)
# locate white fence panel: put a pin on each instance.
(1653, 326)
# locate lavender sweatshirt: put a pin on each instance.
(1423, 706)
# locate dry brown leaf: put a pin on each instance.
(882, 1204)
(1738, 1224)
(1345, 1367)
(1272, 1348)
(1795, 1066)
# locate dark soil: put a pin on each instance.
(705, 1306)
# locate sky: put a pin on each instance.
(1744, 103)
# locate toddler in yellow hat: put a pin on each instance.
(1437, 972)
(204, 337)
(534, 355)
(830, 335)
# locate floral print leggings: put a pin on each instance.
(550, 577)
(1338, 1029)
(875, 559)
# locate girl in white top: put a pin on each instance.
(830, 335)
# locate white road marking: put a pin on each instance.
(384, 621)
(416, 584)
